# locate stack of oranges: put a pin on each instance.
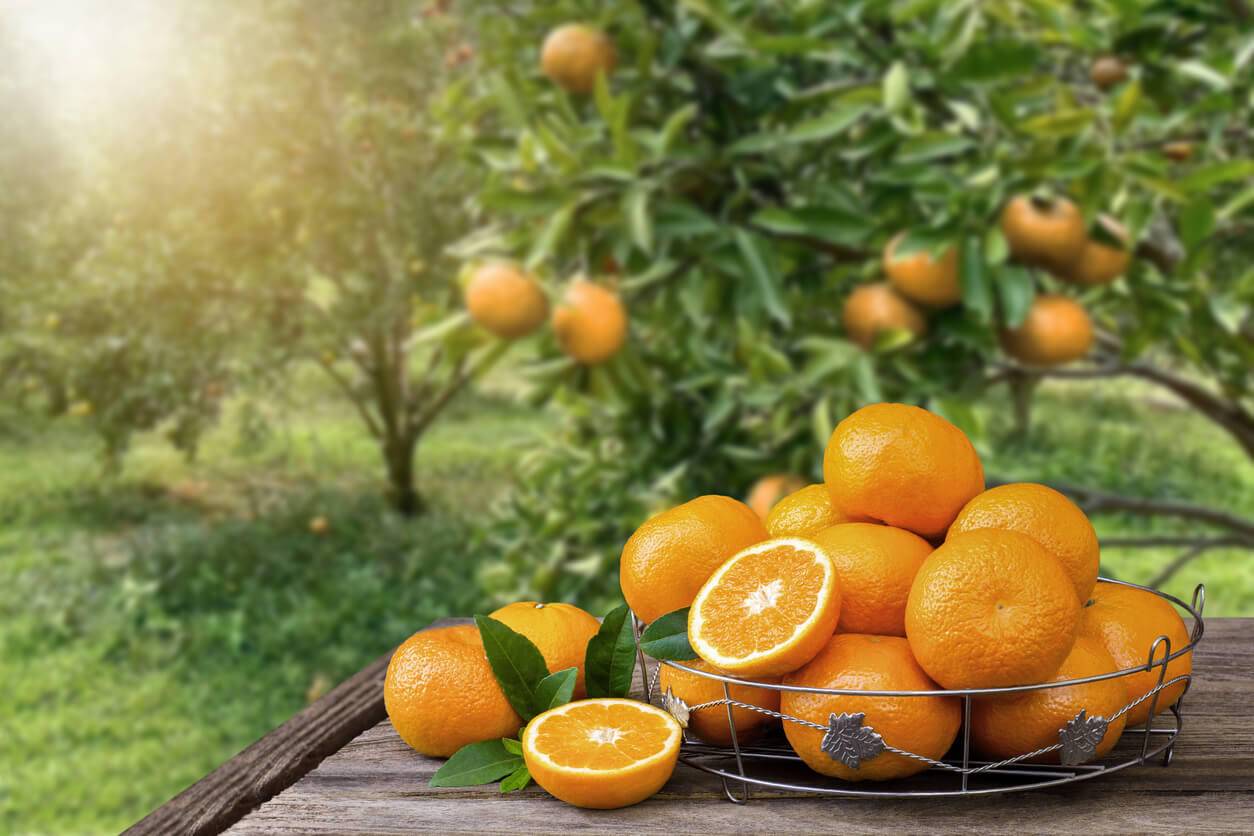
(902, 573)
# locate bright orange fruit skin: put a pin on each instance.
(666, 561)
(1048, 234)
(505, 301)
(590, 323)
(560, 632)
(770, 490)
(441, 695)
(574, 53)
(1009, 725)
(1047, 517)
(1100, 263)
(803, 513)
(922, 279)
(991, 609)
(903, 466)
(877, 565)
(710, 724)
(923, 726)
(1127, 621)
(1056, 330)
(873, 309)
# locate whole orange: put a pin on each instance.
(876, 565)
(874, 309)
(924, 726)
(991, 609)
(921, 278)
(505, 301)
(1046, 232)
(1047, 517)
(1099, 263)
(668, 559)
(803, 513)
(441, 695)
(591, 323)
(1107, 71)
(1127, 621)
(1009, 725)
(903, 466)
(769, 490)
(559, 631)
(574, 53)
(1056, 330)
(710, 724)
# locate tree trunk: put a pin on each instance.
(1022, 388)
(398, 456)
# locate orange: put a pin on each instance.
(1127, 621)
(1048, 233)
(591, 323)
(505, 301)
(1100, 263)
(767, 610)
(441, 695)
(559, 631)
(903, 466)
(769, 490)
(710, 724)
(574, 53)
(991, 609)
(1055, 331)
(803, 513)
(876, 565)
(1178, 151)
(1047, 517)
(1009, 725)
(1107, 71)
(923, 726)
(602, 753)
(921, 278)
(874, 309)
(665, 562)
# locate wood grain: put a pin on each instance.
(377, 784)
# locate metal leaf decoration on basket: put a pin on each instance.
(676, 707)
(1080, 738)
(850, 742)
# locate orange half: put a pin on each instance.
(768, 610)
(602, 753)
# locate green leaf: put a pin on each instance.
(1236, 204)
(865, 379)
(993, 61)
(1212, 175)
(1204, 73)
(637, 208)
(675, 123)
(512, 746)
(932, 146)
(516, 663)
(1126, 104)
(477, 763)
(516, 780)
(896, 88)
(833, 123)
(322, 293)
(757, 256)
(1016, 291)
(1197, 221)
(555, 689)
(552, 234)
(825, 223)
(975, 292)
(610, 659)
(667, 638)
(1059, 123)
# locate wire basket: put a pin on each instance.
(772, 765)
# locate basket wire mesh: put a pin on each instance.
(760, 764)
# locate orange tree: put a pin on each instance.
(735, 170)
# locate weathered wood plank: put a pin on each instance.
(377, 784)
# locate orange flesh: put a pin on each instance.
(772, 592)
(603, 737)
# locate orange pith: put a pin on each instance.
(767, 610)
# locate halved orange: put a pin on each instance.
(602, 753)
(768, 610)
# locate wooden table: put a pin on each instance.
(371, 782)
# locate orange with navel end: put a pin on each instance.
(991, 609)
(666, 561)
(1099, 263)
(903, 466)
(603, 753)
(1055, 331)
(1049, 233)
(769, 490)
(591, 323)
(1008, 725)
(874, 309)
(924, 726)
(1047, 517)
(506, 301)
(803, 513)
(921, 278)
(559, 631)
(574, 54)
(440, 692)
(767, 610)
(710, 724)
(1127, 621)
(876, 565)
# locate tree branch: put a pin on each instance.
(1188, 556)
(353, 397)
(1156, 541)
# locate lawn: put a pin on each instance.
(155, 625)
